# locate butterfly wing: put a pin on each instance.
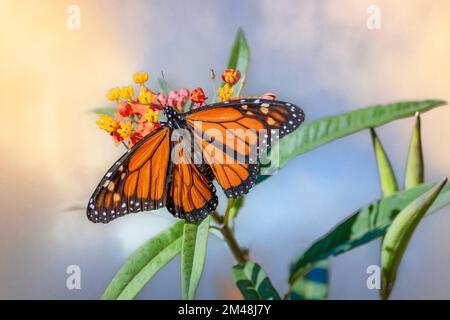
(233, 134)
(191, 192)
(136, 182)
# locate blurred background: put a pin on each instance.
(318, 54)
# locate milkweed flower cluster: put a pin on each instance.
(230, 77)
(136, 114)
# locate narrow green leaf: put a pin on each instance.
(143, 264)
(362, 227)
(110, 111)
(388, 181)
(164, 86)
(316, 133)
(415, 169)
(313, 285)
(233, 207)
(253, 282)
(399, 233)
(193, 253)
(240, 55)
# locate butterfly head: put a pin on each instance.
(174, 119)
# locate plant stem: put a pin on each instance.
(229, 238)
(227, 212)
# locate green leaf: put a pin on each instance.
(110, 111)
(193, 255)
(399, 233)
(362, 227)
(233, 207)
(415, 169)
(240, 55)
(317, 133)
(143, 264)
(313, 285)
(253, 282)
(164, 86)
(388, 181)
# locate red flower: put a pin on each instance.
(231, 76)
(125, 109)
(198, 96)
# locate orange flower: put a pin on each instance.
(198, 96)
(231, 76)
(146, 127)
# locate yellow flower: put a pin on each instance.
(151, 116)
(127, 92)
(145, 96)
(226, 92)
(107, 123)
(140, 77)
(125, 130)
(113, 94)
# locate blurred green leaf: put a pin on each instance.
(233, 207)
(164, 86)
(253, 282)
(193, 253)
(386, 174)
(361, 227)
(316, 133)
(313, 285)
(399, 233)
(240, 54)
(143, 264)
(415, 168)
(110, 111)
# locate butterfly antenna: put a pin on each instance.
(213, 78)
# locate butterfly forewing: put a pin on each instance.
(234, 134)
(136, 182)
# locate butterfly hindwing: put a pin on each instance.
(191, 192)
(136, 182)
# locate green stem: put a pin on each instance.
(227, 211)
(229, 238)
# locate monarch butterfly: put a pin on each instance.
(158, 171)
